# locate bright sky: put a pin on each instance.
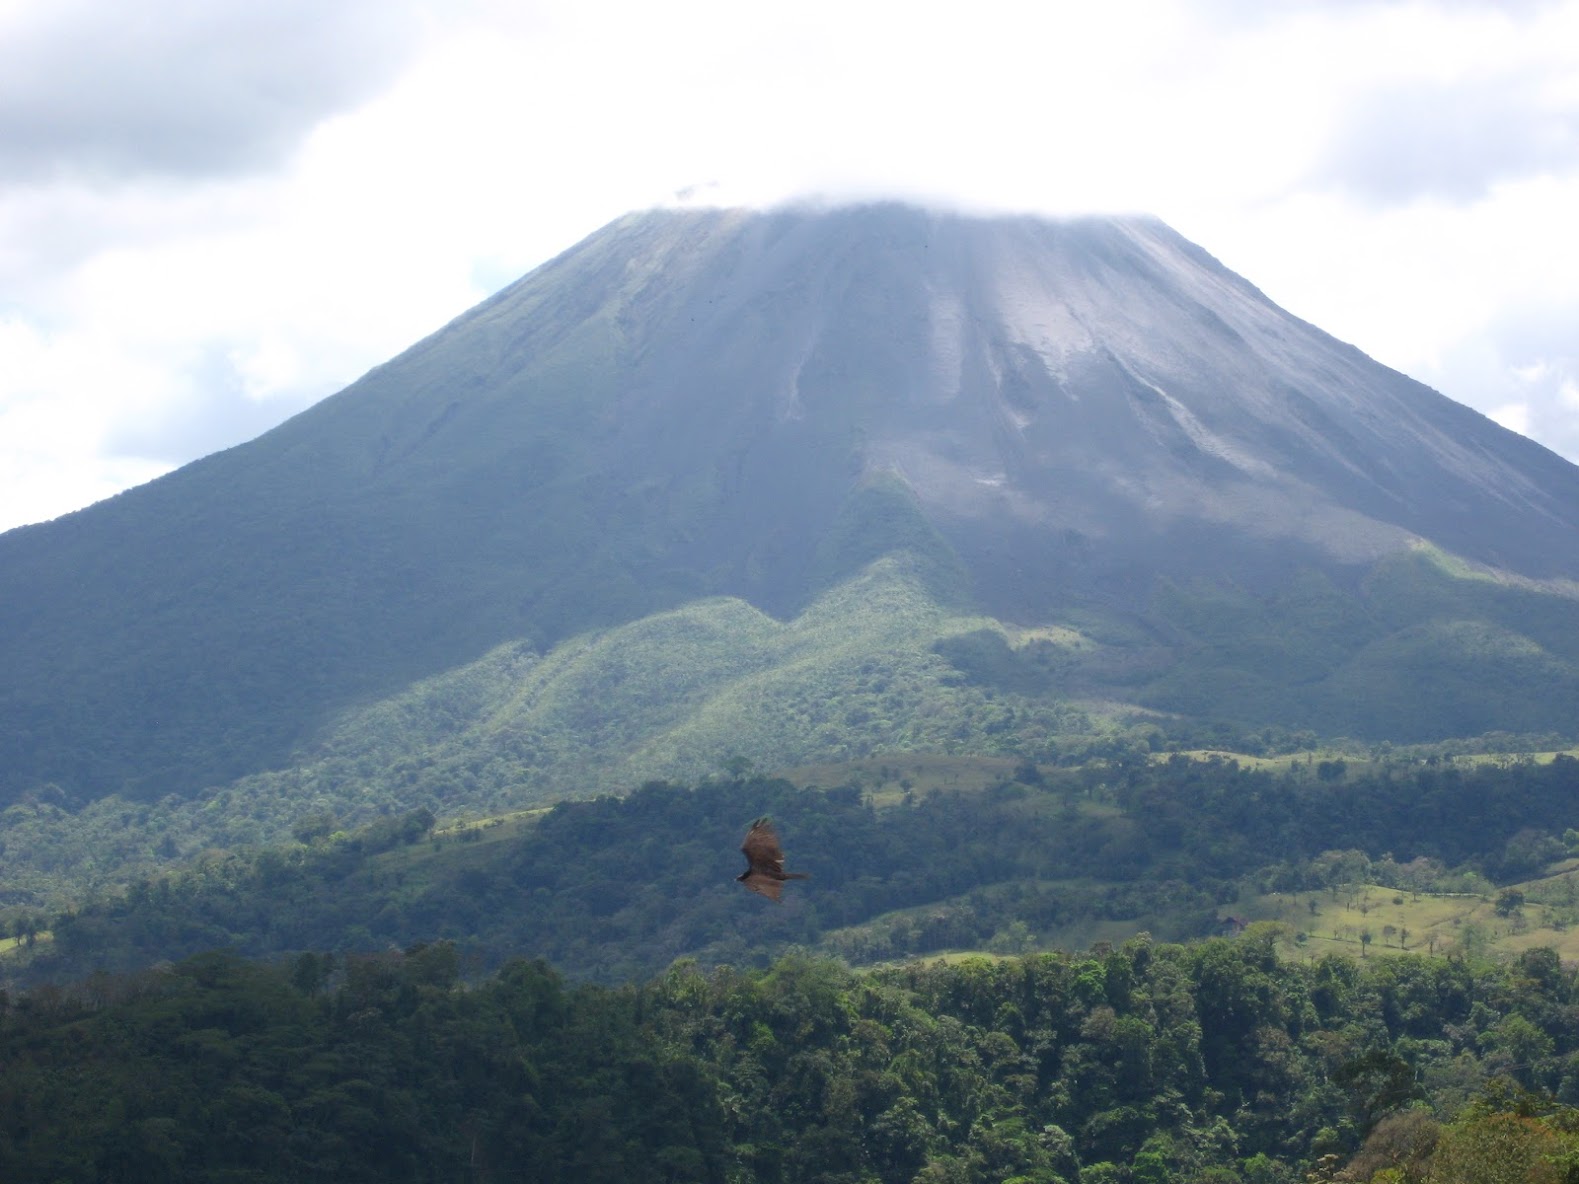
(215, 212)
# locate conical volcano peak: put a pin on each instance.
(1095, 375)
(694, 403)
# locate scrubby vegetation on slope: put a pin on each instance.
(878, 665)
(618, 887)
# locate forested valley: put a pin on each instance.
(618, 887)
(1214, 1062)
(582, 993)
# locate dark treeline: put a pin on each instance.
(617, 888)
(1454, 812)
(1213, 1063)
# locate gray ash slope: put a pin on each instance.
(1096, 394)
(724, 402)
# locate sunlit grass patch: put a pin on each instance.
(1370, 919)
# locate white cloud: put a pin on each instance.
(105, 90)
(1452, 141)
(58, 396)
(1513, 416)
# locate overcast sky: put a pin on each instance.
(215, 212)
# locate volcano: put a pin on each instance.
(1054, 420)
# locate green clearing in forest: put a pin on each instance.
(1401, 921)
(886, 779)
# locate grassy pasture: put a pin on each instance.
(493, 828)
(1400, 921)
(9, 945)
(1503, 758)
(886, 779)
(1244, 760)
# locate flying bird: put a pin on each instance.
(766, 874)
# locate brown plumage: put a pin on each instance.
(766, 874)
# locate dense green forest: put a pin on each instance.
(584, 993)
(1213, 1063)
(615, 888)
